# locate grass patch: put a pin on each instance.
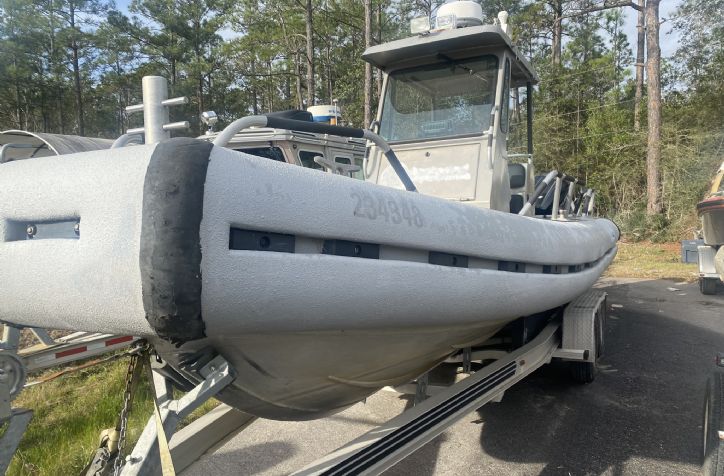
(651, 260)
(69, 414)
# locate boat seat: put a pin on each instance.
(517, 174)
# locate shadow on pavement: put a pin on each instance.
(641, 415)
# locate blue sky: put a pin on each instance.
(122, 5)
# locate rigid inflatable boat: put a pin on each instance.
(318, 289)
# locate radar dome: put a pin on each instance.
(466, 13)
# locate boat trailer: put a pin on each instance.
(573, 333)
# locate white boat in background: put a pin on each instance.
(711, 254)
(317, 289)
(16, 144)
(711, 211)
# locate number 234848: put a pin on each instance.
(390, 209)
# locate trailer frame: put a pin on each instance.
(573, 333)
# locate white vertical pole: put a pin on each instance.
(155, 114)
(557, 198)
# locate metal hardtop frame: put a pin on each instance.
(427, 47)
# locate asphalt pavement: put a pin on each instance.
(642, 415)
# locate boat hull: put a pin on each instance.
(297, 375)
(711, 211)
(318, 289)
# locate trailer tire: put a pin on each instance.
(583, 372)
(708, 285)
(713, 446)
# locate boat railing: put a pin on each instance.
(539, 189)
(581, 203)
(315, 127)
(585, 204)
(132, 137)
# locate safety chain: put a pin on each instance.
(132, 375)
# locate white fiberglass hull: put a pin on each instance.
(317, 288)
(711, 211)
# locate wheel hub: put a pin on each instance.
(12, 373)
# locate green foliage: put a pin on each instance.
(68, 416)
(651, 260)
(70, 412)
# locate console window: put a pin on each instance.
(449, 98)
(306, 157)
(273, 153)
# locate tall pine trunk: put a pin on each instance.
(653, 70)
(76, 73)
(61, 114)
(18, 109)
(557, 45)
(298, 81)
(44, 111)
(200, 78)
(330, 87)
(640, 45)
(379, 42)
(310, 55)
(200, 93)
(254, 94)
(368, 67)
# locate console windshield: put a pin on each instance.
(449, 98)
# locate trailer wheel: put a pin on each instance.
(713, 447)
(708, 285)
(585, 372)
